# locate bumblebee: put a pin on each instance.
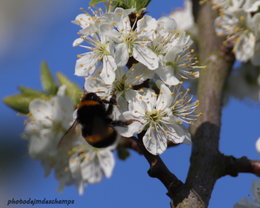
(97, 127)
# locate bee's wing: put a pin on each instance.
(68, 137)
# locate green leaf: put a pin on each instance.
(72, 89)
(20, 102)
(30, 91)
(48, 82)
(122, 153)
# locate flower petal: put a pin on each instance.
(244, 47)
(176, 133)
(130, 130)
(166, 74)
(165, 98)
(145, 56)
(86, 65)
(41, 111)
(77, 42)
(167, 24)
(154, 141)
(108, 71)
(138, 74)
(106, 161)
(74, 166)
(146, 27)
(90, 169)
(121, 54)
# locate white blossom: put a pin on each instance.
(133, 42)
(178, 64)
(90, 164)
(241, 26)
(256, 26)
(184, 17)
(248, 77)
(48, 122)
(257, 145)
(183, 105)
(100, 46)
(154, 114)
(164, 37)
(246, 203)
(123, 83)
(252, 5)
(101, 51)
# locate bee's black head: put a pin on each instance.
(91, 96)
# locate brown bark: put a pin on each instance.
(206, 166)
(233, 166)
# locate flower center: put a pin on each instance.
(119, 86)
(154, 117)
(157, 48)
(101, 49)
(129, 38)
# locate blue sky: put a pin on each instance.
(46, 33)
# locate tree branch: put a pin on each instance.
(130, 143)
(157, 167)
(159, 170)
(206, 164)
(233, 166)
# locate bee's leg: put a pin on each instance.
(111, 103)
(122, 123)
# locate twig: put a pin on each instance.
(157, 167)
(234, 166)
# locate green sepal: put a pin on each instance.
(122, 153)
(30, 91)
(21, 102)
(47, 80)
(140, 4)
(94, 2)
(128, 4)
(72, 89)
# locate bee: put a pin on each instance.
(93, 117)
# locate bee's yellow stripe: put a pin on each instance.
(88, 102)
(95, 138)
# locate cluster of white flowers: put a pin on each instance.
(74, 163)
(239, 20)
(245, 203)
(143, 62)
(248, 77)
